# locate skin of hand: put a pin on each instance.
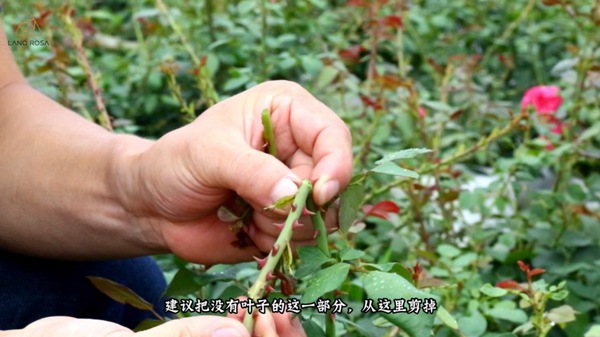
(176, 185)
(78, 192)
(267, 325)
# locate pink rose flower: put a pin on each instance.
(421, 112)
(545, 99)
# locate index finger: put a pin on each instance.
(321, 134)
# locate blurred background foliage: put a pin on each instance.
(501, 185)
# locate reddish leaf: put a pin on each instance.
(524, 266)
(381, 210)
(369, 102)
(352, 53)
(509, 284)
(416, 272)
(394, 21)
(536, 271)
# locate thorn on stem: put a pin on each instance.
(316, 233)
(275, 250)
(279, 225)
(270, 276)
(305, 211)
(261, 262)
(294, 207)
(269, 288)
(296, 225)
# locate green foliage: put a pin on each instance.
(442, 79)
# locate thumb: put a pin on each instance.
(199, 326)
(258, 177)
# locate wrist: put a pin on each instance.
(125, 178)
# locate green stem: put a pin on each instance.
(205, 83)
(329, 325)
(268, 134)
(319, 224)
(271, 261)
(509, 31)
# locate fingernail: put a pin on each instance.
(227, 332)
(284, 187)
(328, 191)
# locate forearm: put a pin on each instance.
(61, 181)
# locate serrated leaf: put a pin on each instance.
(391, 286)
(350, 202)
(402, 154)
(312, 258)
(325, 281)
(119, 293)
(282, 203)
(395, 170)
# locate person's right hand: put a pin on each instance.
(267, 325)
(174, 186)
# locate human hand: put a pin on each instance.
(267, 325)
(177, 184)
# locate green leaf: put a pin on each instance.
(474, 325)
(576, 192)
(448, 250)
(560, 295)
(350, 202)
(312, 329)
(391, 267)
(447, 318)
(328, 74)
(402, 154)
(391, 286)
(395, 170)
(183, 283)
(235, 83)
(492, 291)
(439, 106)
(562, 314)
(512, 315)
(312, 258)
(281, 203)
(594, 331)
(351, 254)
(325, 281)
(147, 324)
(119, 293)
